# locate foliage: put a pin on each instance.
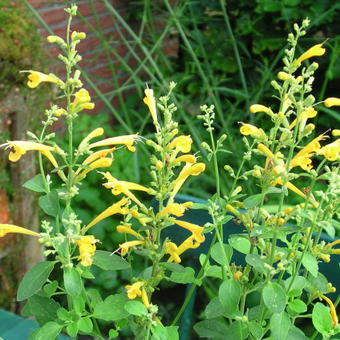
(263, 298)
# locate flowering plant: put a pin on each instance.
(282, 277)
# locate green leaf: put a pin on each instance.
(105, 260)
(72, 281)
(161, 332)
(72, 329)
(35, 184)
(188, 276)
(279, 326)
(255, 329)
(85, 325)
(51, 287)
(34, 279)
(49, 203)
(49, 331)
(218, 255)
(296, 334)
(214, 308)
(173, 267)
(310, 263)
(253, 201)
(274, 297)
(113, 334)
(213, 329)
(297, 286)
(229, 295)
(135, 307)
(112, 308)
(297, 306)
(43, 309)
(241, 244)
(321, 318)
(256, 262)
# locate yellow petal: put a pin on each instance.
(10, 228)
(127, 140)
(332, 101)
(315, 51)
(259, 108)
(150, 101)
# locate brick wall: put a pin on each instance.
(94, 13)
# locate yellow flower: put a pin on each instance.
(83, 100)
(150, 101)
(332, 101)
(175, 252)
(176, 209)
(186, 159)
(310, 112)
(134, 290)
(172, 249)
(98, 154)
(188, 170)
(124, 247)
(233, 210)
(122, 187)
(336, 132)
(10, 228)
(334, 315)
(260, 108)
(263, 149)
(253, 131)
(145, 298)
(116, 208)
(93, 134)
(87, 248)
(283, 76)
(102, 162)
(331, 151)
(35, 78)
(315, 51)
(127, 140)
(126, 229)
(302, 158)
(21, 147)
(197, 231)
(181, 143)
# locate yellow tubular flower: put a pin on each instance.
(262, 148)
(188, 170)
(302, 158)
(145, 298)
(116, 208)
(176, 209)
(181, 143)
(134, 290)
(93, 134)
(332, 101)
(150, 101)
(124, 247)
(10, 228)
(331, 151)
(332, 310)
(260, 108)
(126, 229)
(123, 187)
(197, 231)
(171, 249)
(336, 132)
(315, 51)
(103, 162)
(19, 148)
(127, 140)
(309, 113)
(253, 131)
(97, 155)
(87, 248)
(35, 78)
(189, 243)
(186, 159)
(82, 99)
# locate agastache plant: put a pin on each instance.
(280, 282)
